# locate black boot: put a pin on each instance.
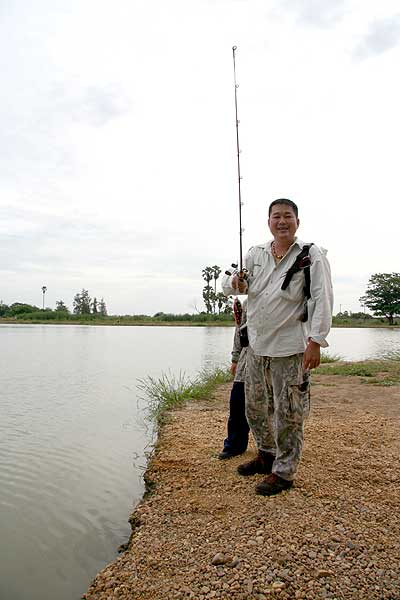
(262, 463)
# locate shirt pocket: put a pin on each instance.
(295, 290)
(256, 280)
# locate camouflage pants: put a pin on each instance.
(277, 401)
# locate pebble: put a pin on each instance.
(259, 539)
(219, 559)
(324, 573)
(351, 545)
(234, 562)
(278, 585)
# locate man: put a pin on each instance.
(238, 429)
(283, 345)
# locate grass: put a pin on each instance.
(170, 391)
(329, 358)
(393, 355)
(375, 372)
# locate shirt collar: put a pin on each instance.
(296, 242)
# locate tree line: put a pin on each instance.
(382, 297)
(83, 305)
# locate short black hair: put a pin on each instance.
(287, 202)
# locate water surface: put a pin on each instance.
(73, 439)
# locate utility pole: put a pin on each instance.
(44, 290)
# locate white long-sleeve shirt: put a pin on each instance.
(273, 314)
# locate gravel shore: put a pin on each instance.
(202, 533)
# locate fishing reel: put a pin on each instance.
(241, 273)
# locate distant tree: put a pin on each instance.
(223, 303)
(208, 292)
(102, 308)
(4, 308)
(360, 315)
(19, 308)
(228, 309)
(208, 297)
(383, 295)
(61, 307)
(94, 306)
(77, 304)
(82, 302)
(216, 273)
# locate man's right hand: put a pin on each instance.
(233, 369)
(238, 283)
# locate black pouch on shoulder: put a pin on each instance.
(243, 337)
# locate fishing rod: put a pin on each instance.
(240, 271)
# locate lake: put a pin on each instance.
(73, 439)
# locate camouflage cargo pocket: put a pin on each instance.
(295, 412)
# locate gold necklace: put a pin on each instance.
(274, 252)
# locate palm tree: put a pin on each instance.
(208, 275)
(216, 273)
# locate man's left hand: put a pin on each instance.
(312, 356)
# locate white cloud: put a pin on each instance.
(383, 35)
(316, 13)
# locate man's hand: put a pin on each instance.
(312, 356)
(233, 369)
(239, 284)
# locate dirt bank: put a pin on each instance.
(335, 535)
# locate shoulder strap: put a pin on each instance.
(307, 285)
(302, 262)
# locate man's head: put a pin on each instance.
(283, 220)
(286, 201)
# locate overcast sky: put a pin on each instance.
(117, 142)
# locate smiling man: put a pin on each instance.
(289, 315)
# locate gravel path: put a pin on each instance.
(203, 533)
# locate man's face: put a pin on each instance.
(283, 223)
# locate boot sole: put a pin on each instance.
(250, 474)
(261, 491)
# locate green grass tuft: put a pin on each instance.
(326, 357)
(170, 391)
